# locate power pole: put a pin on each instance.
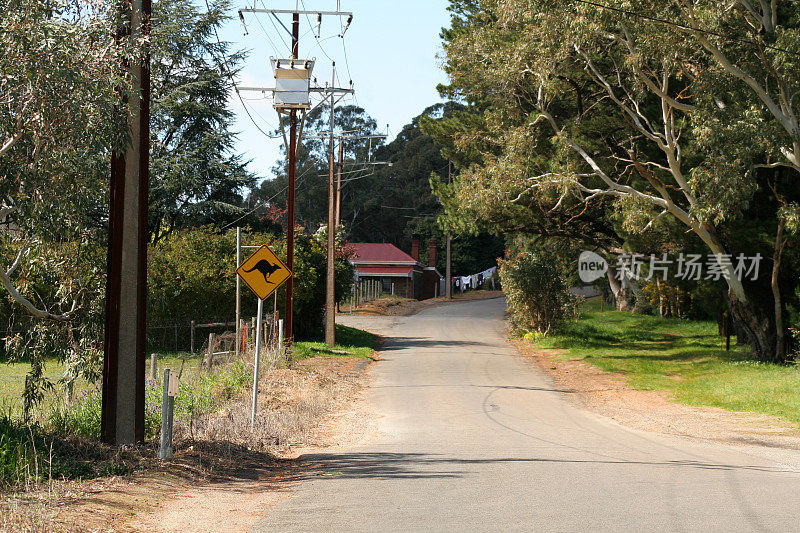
(330, 278)
(122, 411)
(294, 98)
(340, 165)
(448, 269)
(238, 290)
(339, 184)
(292, 105)
(290, 206)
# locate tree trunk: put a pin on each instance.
(780, 338)
(620, 292)
(640, 306)
(662, 306)
(759, 326)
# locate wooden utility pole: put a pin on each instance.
(122, 411)
(290, 206)
(339, 184)
(238, 292)
(330, 277)
(449, 267)
(289, 93)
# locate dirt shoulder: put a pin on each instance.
(609, 395)
(396, 306)
(222, 477)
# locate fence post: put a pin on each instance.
(167, 405)
(191, 341)
(210, 355)
(153, 366)
(393, 288)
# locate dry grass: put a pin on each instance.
(292, 406)
(295, 409)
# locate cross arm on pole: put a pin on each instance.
(348, 14)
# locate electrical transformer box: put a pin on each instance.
(292, 83)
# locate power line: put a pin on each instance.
(347, 62)
(685, 27)
(226, 68)
(264, 203)
(277, 30)
(316, 37)
(266, 36)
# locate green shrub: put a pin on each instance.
(192, 276)
(537, 291)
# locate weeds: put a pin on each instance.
(204, 393)
(29, 455)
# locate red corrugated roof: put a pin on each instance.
(388, 270)
(373, 252)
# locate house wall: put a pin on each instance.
(430, 285)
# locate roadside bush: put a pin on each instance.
(192, 276)
(537, 291)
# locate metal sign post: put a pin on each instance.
(256, 363)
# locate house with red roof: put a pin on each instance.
(397, 270)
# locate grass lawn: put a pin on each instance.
(685, 358)
(350, 342)
(12, 378)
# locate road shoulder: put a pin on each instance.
(609, 395)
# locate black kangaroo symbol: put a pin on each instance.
(266, 268)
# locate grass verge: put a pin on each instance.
(350, 342)
(685, 358)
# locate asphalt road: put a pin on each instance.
(474, 438)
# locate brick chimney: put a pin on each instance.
(415, 247)
(432, 253)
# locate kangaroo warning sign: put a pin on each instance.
(264, 272)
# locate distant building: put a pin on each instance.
(398, 270)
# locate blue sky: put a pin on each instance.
(393, 51)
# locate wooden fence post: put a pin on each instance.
(191, 340)
(210, 355)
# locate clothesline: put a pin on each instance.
(474, 281)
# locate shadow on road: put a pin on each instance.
(379, 465)
(405, 343)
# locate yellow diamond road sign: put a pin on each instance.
(264, 272)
